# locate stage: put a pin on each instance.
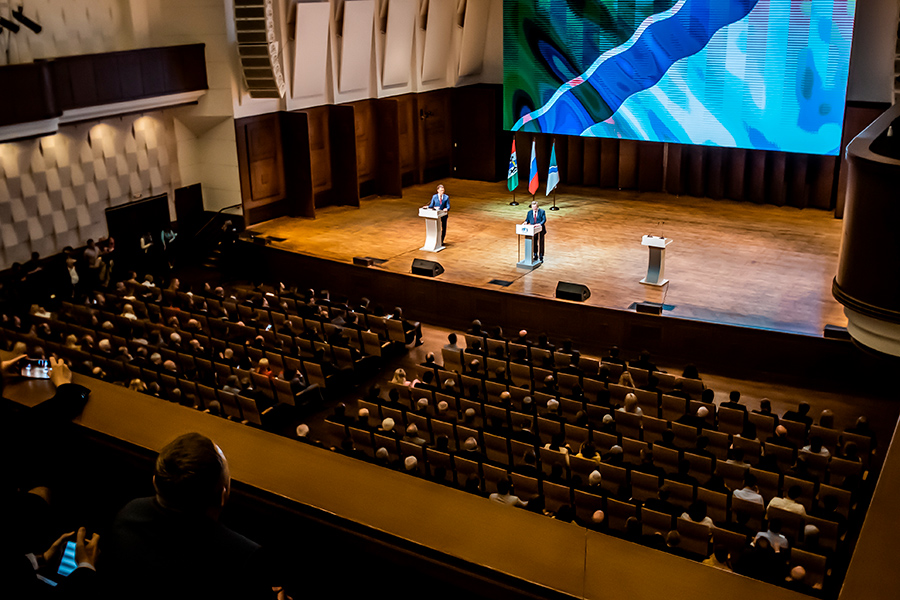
(735, 263)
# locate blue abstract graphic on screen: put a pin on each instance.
(765, 74)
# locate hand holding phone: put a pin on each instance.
(34, 368)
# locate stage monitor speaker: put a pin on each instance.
(648, 308)
(572, 291)
(429, 268)
(362, 261)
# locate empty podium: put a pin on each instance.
(527, 232)
(657, 267)
(432, 228)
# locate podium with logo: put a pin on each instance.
(526, 233)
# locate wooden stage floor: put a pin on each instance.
(737, 263)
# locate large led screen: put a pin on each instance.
(765, 74)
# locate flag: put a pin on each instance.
(533, 175)
(553, 172)
(512, 178)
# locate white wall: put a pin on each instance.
(54, 190)
(70, 27)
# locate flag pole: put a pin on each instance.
(554, 207)
(514, 203)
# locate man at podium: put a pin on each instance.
(441, 201)
(537, 216)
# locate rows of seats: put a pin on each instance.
(462, 401)
(198, 378)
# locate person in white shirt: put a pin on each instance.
(502, 495)
(750, 491)
(790, 503)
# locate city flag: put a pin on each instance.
(553, 172)
(512, 178)
(533, 175)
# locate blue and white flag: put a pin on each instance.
(553, 172)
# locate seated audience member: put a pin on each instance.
(780, 438)
(613, 356)
(801, 415)
(773, 536)
(696, 513)
(171, 545)
(503, 495)
(862, 427)
(815, 447)
(662, 503)
(643, 362)
(750, 491)
(697, 419)
(719, 559)
(631, 405)
(761, 561)
(413, 329)
(826, 419)
(765, 408)
(790, 502)
(412, 435)
(626, 379)
(690, 372)
(451, 342)
(734, 402)
(470, 450)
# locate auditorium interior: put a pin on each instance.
(261, 165)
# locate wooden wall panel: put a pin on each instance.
(776, 169)
(734, 173)
(822, 191)
(674, 169)
(261, 166)
(696, 182)
(592, 150)
(298, 178)
(407, 123)
(389, 175)
(477, 133)
(715, 173)
(574, 161)
(628, 164)
(651, 166)
(342, 122)
(797, 185)
(609, 163)
(367, 143)
(434, 134)
(756, 176)
(320, 152)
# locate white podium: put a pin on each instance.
(433, 228)
(527, 232)
(657, 267)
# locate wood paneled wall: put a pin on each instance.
(759, 176)
(377, 146)
(261, 167)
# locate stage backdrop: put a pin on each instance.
(758, 74)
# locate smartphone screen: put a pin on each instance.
(68, 564)
(35, 369)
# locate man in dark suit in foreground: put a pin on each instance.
(172, 545)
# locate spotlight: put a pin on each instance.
(19, 16)
(9, 25)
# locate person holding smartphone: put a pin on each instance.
(33, 440)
